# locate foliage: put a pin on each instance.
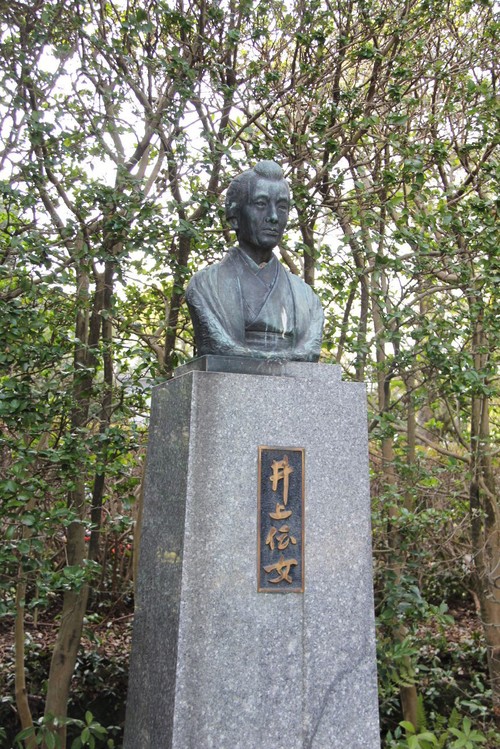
(121, 126)
(93, 734)
(458, 734)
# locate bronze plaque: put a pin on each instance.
(280, 539)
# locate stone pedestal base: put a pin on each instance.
(215, 664)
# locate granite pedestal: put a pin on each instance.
(215, 664)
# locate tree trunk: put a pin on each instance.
(408, 693)
(69, 634)
(106, 407)
(310, 258)
(484, 507)
(75, 600)
(22, 704)
(485, 525)
(169, 359)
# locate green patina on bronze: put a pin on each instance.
(249, 305)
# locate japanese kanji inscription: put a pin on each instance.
(280, 555)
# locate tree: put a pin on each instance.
(85, 82)
(387, 116)
(122, 124)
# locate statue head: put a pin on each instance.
(239, 191)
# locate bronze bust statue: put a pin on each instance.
(248, 304)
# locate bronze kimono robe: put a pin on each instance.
(240, 310)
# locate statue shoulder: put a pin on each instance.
(299, 286)
(206, 277)
(209, 270)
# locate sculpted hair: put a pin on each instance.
(238, 190)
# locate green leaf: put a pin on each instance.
(407, 726)
(25, 733)
(50, 740)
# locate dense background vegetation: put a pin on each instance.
(122, 123)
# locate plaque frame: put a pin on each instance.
(296, 502)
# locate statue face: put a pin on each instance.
(262, 219)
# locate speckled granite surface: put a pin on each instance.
(216, 665)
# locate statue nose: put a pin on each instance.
(273, 217)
